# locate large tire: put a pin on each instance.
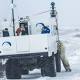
(13, 69)
(43, 71)
(58, 61)
(48, 68)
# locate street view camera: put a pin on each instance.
(53, 9)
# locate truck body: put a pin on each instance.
(30, 52)
(27, 52)
(27, 44)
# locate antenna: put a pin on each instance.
(13, 21)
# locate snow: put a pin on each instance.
(72, 45)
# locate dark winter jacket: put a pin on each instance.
(26, 30)
(23, 32)
(5, 33)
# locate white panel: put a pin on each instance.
(52, 44)
(38, 43)
(22, 43)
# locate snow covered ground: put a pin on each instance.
(70, 36)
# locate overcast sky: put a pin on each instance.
(68, 10)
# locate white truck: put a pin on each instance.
(27, 52)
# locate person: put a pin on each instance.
(26, 30)
(64, 60)
(21, 30)
(5, 32)
(44, 29)
(18, 31)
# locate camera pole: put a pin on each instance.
(54, 15)
(13, 21)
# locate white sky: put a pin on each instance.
(68, 10)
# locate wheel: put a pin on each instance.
(43, 71)
(48, 68)
(13, 69)
(58, 61)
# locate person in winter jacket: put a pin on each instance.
(18, 31)
(44, 29)
(65, 62)
(23, 32)
(5, 32)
